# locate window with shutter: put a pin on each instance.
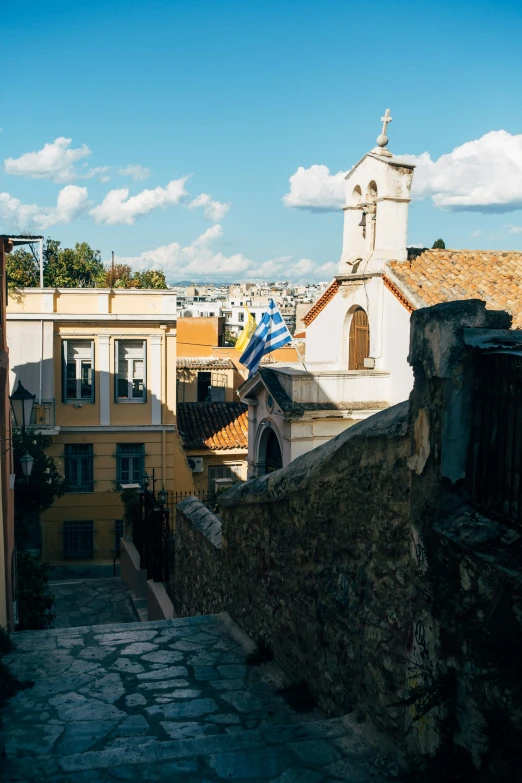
(78, 377)
(359, 340)
(130, 371)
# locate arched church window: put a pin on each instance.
(372, 191)
(356, 194)
(359, 340)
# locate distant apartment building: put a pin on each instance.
(102, 364)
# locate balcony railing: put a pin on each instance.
(43, 417)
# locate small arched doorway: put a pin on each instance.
(359, 340)
(274, 458)
(270, 457)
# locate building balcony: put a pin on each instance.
(44, 418)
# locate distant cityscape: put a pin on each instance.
(229, 301)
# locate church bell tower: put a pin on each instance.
(376, 211)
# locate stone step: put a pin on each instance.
(314, 751)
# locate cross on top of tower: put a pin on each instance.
(382, 139)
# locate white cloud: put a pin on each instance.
(484, 175)
(55, 161)
(200, 261)
(135, 171)
(315, 189)
(72, 202)
(514, 229)
(214, 210)
(119, 207)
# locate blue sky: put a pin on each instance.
(239, 95)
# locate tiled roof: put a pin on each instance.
(205, 363)
(447, 275)
(321, 303)
(213, 425)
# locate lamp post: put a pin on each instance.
(22, 403)
(162, 496)
(26, 462)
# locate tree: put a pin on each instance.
(439, 244)
(22, 269)
(117, 276)
(43, 486)
(33, 496)
(71, 268)
(152, 278)
(78, 267)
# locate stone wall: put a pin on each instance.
(365, 568)
(314, 560)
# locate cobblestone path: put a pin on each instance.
(92, 602)
(167, 701)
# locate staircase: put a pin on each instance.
(164, 701)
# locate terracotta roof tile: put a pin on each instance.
(321, 303)
(205, 363)
(447, 275)
(213, 425)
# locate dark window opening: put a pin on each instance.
(79, 467)
(130, 463)
(204, 383)
(78, 540)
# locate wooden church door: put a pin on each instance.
(359, 340)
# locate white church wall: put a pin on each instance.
(396, 345)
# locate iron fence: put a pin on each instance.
(497, 438)
(151, 534)
(176, 497)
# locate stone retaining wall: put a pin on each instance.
(313, 562)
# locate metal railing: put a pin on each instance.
(43, 417)
(497, 438)
(151, 535)
(176, 497)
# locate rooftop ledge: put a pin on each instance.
(116, 291)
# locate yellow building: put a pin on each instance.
(102, 364)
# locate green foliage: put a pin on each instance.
(35, 601)
(150, 279)
(44, 485)
(80, 267)
(439, 244)
(22, 269)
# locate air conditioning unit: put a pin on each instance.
(195, 464)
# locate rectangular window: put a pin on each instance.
(78, 540)
(222, 471)
(240, 317)
(78, 467)
(130, 463)
(78, 376)
(130, 371)
(118, 534)
(204, 383)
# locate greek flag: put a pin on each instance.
(271, 333)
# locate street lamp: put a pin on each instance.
(22, 403)
(162, 496)
(26, 462)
